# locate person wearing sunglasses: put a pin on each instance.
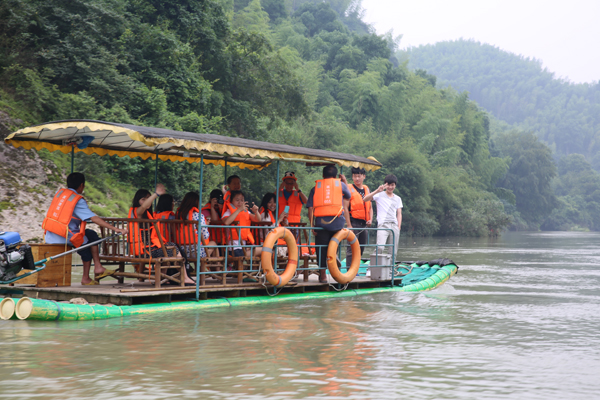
(292, 197)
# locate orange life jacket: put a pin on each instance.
(163, 228)
(327, 198)
(280, 242)
(187, 233)
(60, 214)
(295, 204)
(136, 235)
(226, 202)
(243, 219)
(307, 249)
(359, 209)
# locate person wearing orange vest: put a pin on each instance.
(212, 212)
(164, 210)
(234, 183)
(327, 206)
(267, 214)
(237, 210)
(290, 195)
(65, 220)
(142, 238)
(361, 212)
(187, 236)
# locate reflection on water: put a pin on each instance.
(519, 321)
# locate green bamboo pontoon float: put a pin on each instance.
(46, 310)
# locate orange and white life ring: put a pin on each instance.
(267, 255)
(332, 249)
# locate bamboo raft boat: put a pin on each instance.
(132, 298)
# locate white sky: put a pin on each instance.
(564, 35)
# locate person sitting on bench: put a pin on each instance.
(65, 224)
(142, 236)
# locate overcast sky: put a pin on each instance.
(564, 35)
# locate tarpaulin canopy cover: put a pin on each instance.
(108, 138)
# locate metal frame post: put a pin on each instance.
(72, 158)
(199, 229)
(155, 176)
(276, 211)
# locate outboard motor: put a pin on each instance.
(12, 257)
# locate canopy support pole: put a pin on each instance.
(276, 212)
(200, 229)
(225, 173)
(155, 177)
(347, 216)
(72, 159)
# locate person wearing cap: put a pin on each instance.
(291, 195)
(361, 212)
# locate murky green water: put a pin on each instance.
(519, 321)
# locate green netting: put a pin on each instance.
(415, 273)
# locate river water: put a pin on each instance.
(518, 321)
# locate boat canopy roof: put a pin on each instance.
(109, 138)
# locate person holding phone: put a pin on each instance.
(291, 196)
(237, 210)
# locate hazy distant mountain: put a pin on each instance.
(518, 90)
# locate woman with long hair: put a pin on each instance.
(188, 238)
(142, 236)
(267, 209)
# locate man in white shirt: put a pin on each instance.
(389, 213)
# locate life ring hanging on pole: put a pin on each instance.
(332, 249)
(267, 253)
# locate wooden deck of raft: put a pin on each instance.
(133, 292)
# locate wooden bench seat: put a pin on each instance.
(119, 250)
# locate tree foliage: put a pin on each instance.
(305, 73)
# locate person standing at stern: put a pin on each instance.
(361, 212)
(389, 212)
(327, 207)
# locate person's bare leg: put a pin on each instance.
(210, 251)
(187, 279)
(98, 268)
(85, 279)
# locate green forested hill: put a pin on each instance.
(286, 71)
(520, 91)
(564, 115)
